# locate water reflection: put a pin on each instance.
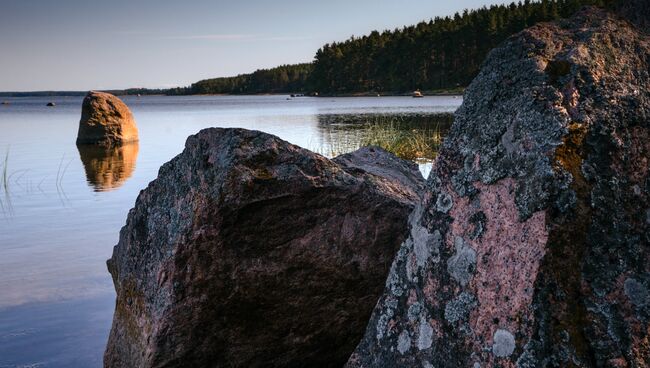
(108, 168)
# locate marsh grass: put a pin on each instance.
(59, 180)
(6, 204)
(407, 138)
(11, 181)
(403, 140)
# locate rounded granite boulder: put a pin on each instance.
(106, 120)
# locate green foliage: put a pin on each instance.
(439, 54)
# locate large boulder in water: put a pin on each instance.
(106, 120)
(248, 251)
(531, 246)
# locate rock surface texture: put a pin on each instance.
(531, 246)
(105, 120)
(248, 251)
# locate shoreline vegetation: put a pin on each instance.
(411, 137)
(438, 57)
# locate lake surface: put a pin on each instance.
(61, 208)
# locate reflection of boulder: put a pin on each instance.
(108, 167)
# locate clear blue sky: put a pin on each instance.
(93, 44)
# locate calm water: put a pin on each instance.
(61, 208)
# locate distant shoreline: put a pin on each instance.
(455, 92)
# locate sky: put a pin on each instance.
(95, 44)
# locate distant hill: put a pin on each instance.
(282, 79)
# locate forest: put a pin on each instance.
(444, 53)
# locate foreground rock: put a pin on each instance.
(531, 247)
(106, 120)
(249, 251)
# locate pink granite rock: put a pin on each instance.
(531, 247)
(248, 251)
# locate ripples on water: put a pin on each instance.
(61, 207)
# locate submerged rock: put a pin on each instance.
(108, 168)
(531, 245)
(106, 120)
(249, 251)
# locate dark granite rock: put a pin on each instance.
(531, 246)
(106, 121)
(248, 251)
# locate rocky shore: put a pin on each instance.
(528, 245)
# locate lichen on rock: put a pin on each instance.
(462, 264)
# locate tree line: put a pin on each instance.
(281, 79)
(443, 53)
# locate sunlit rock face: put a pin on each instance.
(248, 251)
(531, 246)
(106, 121)
(108, 168)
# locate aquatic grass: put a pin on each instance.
(403, 141)
(19, 179)
(6, 205)
(417, 139)
(5, 177)
(59, 180)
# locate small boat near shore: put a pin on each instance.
(417, 94)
